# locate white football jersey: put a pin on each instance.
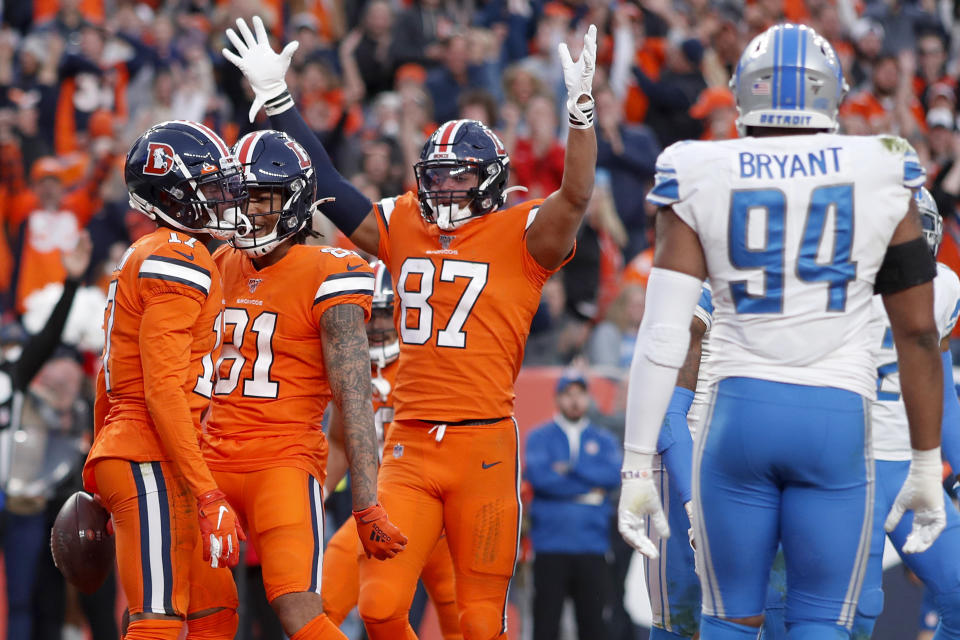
(891, 434)
(794, 230)
(701, 398)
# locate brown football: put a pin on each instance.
(81, 547)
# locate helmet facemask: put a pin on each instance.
(382, 336)
(273, 214)
(214, 202)
(448, 191)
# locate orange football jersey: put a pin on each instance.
(464, 302)
(271, 388)
(171, 269)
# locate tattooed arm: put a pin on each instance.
(346, 356)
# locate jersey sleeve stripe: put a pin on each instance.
(531, 217)
(914, 175)
(343, 284)
(171, 270)
(385, 208)
(666, 191)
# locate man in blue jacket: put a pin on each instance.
(572, 466)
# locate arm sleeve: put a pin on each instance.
(350, 207)
(165, 338)
(42, 345)
(601, 470)
(675, 445)
(950, 427)
(542, 477)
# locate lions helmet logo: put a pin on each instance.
(159, 159)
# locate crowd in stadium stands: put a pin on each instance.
(80, 79)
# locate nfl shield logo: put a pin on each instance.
(253, 283)
(397, 450)
(445, 241)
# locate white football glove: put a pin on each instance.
(638, 501)
(578, 76)
(264, 68)
(688, 507)
(921, 493)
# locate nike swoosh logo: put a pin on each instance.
(188, 256)
(492, 464)
(353, 267)
(223, 510)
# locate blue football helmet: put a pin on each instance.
(929, 218)
(462, 173)
(384, 342)
(788, 77)
(276, 168)
(183, 174)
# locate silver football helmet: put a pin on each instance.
(929, 218)
(789, 77)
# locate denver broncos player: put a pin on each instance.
(293, 341)
(341, 558)
(468, 273)
(162, 320)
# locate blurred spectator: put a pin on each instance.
(418, 31)
(461, 70)
(867, 37)
(612, 341)
(675, 92)
(536, 158)
(479, 104)
(629, 154)
(717, 108)
(573, 466)
(374, 53)
(887, 104)
(49, 218)
(932, 79)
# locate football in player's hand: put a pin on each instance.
(82, 547)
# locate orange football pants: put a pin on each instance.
(461, 479)
(159, 553)
(341, 566)
(281, 510)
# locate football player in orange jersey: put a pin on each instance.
(162, 320)
(468, 273)
(294, 340)
(341, 558)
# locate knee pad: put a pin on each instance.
(379, 602)
(396, 629)
(481, 622)
(221, 625)
(154, 629)
(869, 608)
(948, 606)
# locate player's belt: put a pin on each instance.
(469, 423)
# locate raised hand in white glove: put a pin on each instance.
(921, 493)
(638, 501)
(264, 68)
(578, 76)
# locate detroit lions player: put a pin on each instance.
(815, 225)
(672, 583)
(939, 566)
